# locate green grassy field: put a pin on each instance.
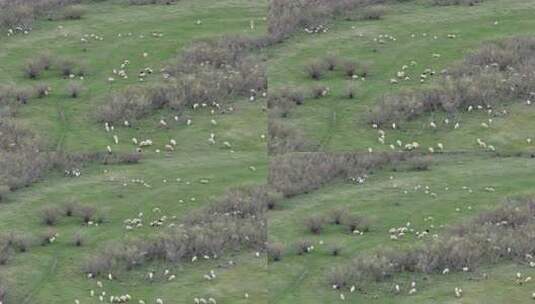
(54, 274)
(197, 172)
(383, 201)
(341, 124)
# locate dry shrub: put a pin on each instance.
(456, 2)
(286, 17)
(236, 221)
(87, 213)
(3, 291)
(275, 251)
(330, 62)
(350, 91)
(50, 215)
(150, 2)
(209, 72)
(74, 89)
(337, 215)
(20, 15)
(73, 12)
(297, 173)
(314, 224)
(282, 102)
(41, 90)
(284, 138)
(78, 239)
(20, 242)
(47, 237)
(70, 207)
(503, 234)
(21, 161)
(315, 70)
(130, 104)
(319, 91)
(498, 73)
(68, 67)
(355, 222)
(375, 12)
(352, 68)
(33, 69)
(303, 247)
(335, 250)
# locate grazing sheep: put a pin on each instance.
(169, 148)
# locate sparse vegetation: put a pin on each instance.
(275, 251)
(314, 224)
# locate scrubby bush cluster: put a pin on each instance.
(316, 70)
(21, 161)
(12, 243)
(498, 73)
(208, 72)
(286, 17)
(456, 2)
(296, 173)
(50, 215)
(19, 15)
(503, 234)
(148, 2)
(232, 222)
(284, 138)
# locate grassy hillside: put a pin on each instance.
(176, 183)
(420, 30)
(460, 184)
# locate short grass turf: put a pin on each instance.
(338, 123)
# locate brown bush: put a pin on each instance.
(73, 12)
(314, 224)
(355, 222)
(297, 173)
(74, 89)
(456, 2)
(315, 70)
(485, 78)
(20, 15)
(33, 69)
(87, 213)
(235, 221)
(330, 62)
(47, 237)
(78, 239)
(42, 90)
(375, 12)
(303, 247)
(319, 91)
(350, 92)
(284, 138)
(275, 251)
(50, 215)
(335, 250)
(503, 234)
(337, 215)
(149, 2)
